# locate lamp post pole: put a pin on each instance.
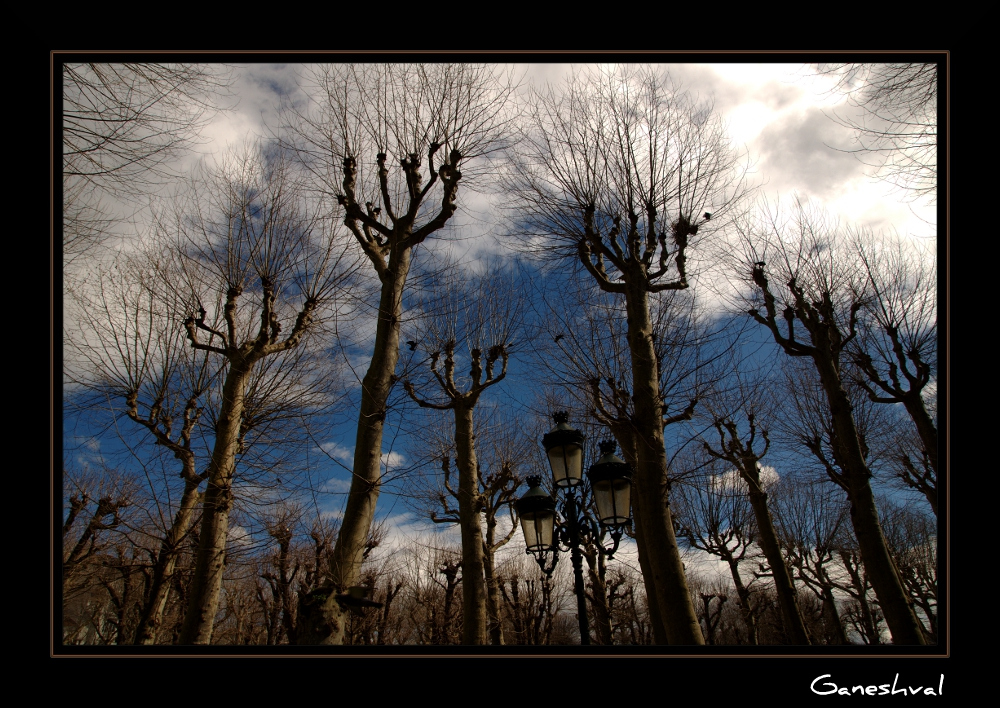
(573, 529)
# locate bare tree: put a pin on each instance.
(502, 449)
(97, 507)
(129, 347)
(532, 605)
(589, 356)
(611, 163)
(743, 449)
(800, 277)
(896, 346)
(808, 521)
(896, 122)
(247, 230)
(713, 515)
(365, 139)
(470, 504)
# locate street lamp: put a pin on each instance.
(544, 533)
(537, 511)
(564, 446)
(611, 480)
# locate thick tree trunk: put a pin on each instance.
(648, 583)
(664, 558)
(473, 571)
(323, 621)
(881, 569)
(791, 615)
(203, 601)
(151, 615)
(626, 440)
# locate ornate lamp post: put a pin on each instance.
(544, 534)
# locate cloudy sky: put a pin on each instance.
(780, 113)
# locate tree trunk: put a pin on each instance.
(152, 611)
(926, 429)
(495, 622)
(831, 618)
(914, 405)
(671, 589)
(885, 580)
(203, 602)
(791, 615)
(626, 440)
(473, 572)
(325, 622)
(599, 603)
(743, 592)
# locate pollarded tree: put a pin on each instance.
(463, 403)
(743, 447)
(621, 172)
(393, 142)
(896, 346)
(251, 242)
(128, 350)
(810, 296)
(485, 317)
(593, 359)
(714, 515)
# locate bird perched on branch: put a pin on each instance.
(707, 216)
(412, 345)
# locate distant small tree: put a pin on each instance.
(743, 449)
(97, 508)
(713, 514)
(485, 321)
(808, 521)
(501, 450)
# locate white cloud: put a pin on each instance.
(391, 460)
(338, 451)
(731, 481)
(336, 485)
(239, 536)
